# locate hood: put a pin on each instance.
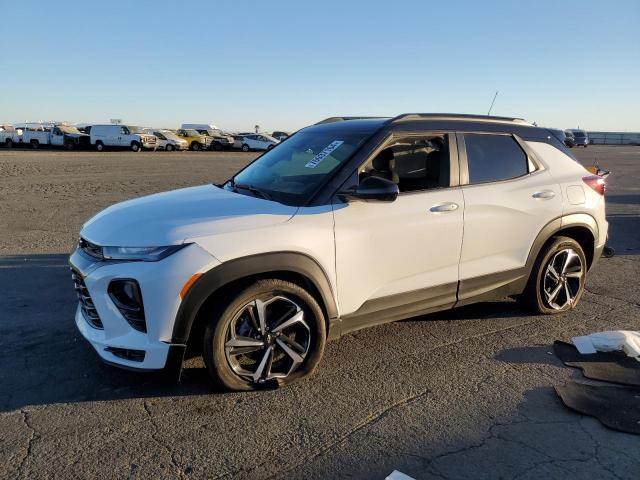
(170, 218)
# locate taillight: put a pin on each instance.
(596, 182)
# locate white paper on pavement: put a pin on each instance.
(616, 340)
(396, 475)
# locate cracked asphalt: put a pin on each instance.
(456, 395)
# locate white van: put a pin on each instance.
(121, 136)
(219, 140)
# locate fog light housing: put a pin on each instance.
(127, 353)
(126, 296)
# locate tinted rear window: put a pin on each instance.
(492, 158)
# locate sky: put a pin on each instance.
(286, 64)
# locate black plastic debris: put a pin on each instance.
(613, 367)
(616, 407)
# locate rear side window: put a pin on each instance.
(492, 158)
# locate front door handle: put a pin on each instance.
(544, 194)
(444, 207)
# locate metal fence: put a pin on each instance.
(614, 138)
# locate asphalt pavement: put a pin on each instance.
(465, 394)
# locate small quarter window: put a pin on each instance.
(491, 158)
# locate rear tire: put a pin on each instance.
(8, 143)
(270, 334)
(217, 147)
(68, 146)
(556, 283)
(35, 144)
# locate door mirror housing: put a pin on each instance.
(372, 189)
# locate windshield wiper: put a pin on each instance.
(252, 189)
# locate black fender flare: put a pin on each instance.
(239, 268)
(554, 226)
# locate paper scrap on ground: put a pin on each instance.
(616, 340)
(396, 475)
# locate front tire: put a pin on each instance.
(195, 146)
(169, 148)
(245, 148)
(556, 283)
(271, 334)
(99, 146)
(135, 146)
(35, 144)
(217, 147)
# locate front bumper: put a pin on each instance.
(117, 342)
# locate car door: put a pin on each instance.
(123, 137)
(259, 142)
(57, 137)
(251, 141)
(398, 259)
(509, 197)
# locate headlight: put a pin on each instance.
(140, 254)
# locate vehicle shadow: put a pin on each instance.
(624, 233)
(626, 199)
(44, 358)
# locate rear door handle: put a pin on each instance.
(444, 207)
(544, 194)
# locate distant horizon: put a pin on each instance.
(291, 130)
(573, 65)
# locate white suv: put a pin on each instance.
(257, 141)
(348, 223)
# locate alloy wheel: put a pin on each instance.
(267, 339)
(563, 279)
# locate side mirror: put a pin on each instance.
(372, 188)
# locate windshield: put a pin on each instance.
(170, 135)
(191, 132)
(295, 169)
(579, 134)
(68, 129)
(135, 129)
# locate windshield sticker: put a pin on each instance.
(315, 161)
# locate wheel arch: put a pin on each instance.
(228, 277)
(581, 227)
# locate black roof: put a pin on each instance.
(435, 121)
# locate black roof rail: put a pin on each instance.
(343, 119)
(455, 116)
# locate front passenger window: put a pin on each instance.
(413, 163)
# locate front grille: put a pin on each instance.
(86, 304)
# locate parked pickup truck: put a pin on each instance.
(65, 136)
(9, 136)
(219, 140)
(36, 135)
(68, 137)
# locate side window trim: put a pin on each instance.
(532, 158)
(454, 157)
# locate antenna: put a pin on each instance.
(492, 102)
